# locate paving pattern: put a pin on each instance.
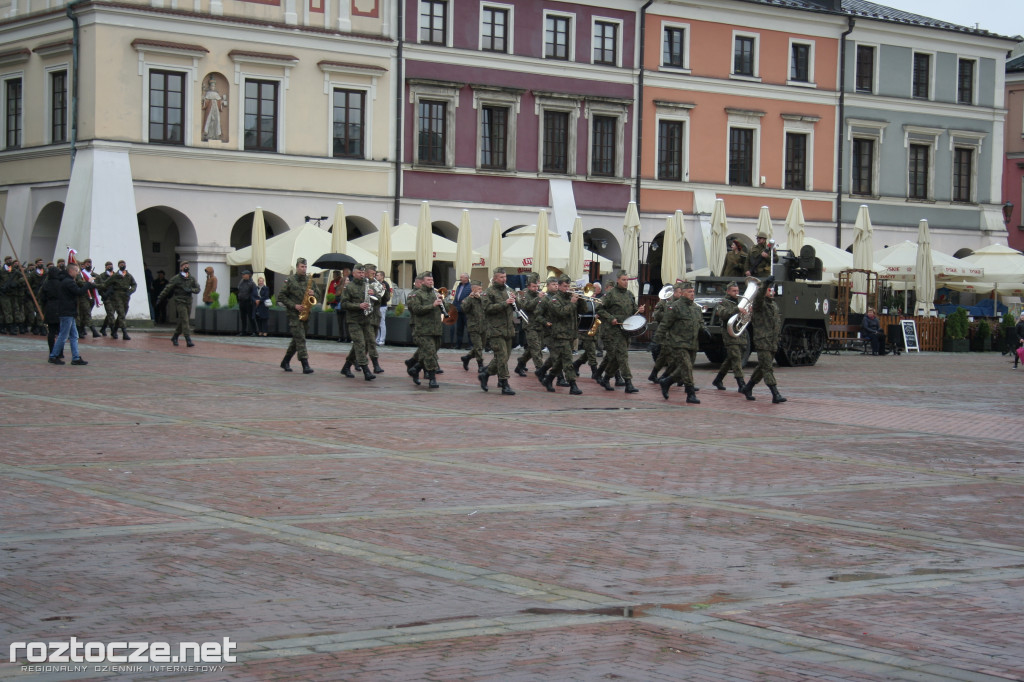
(337, 529)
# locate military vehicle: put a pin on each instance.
(802, 299)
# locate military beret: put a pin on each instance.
(564, 279)
(300, 261)
(358, 266)
(476, 283)
(369, 266)
(425, 274)
(533, 277)
(499, 271)
(552, 280)
(732, 284)
(683, 285)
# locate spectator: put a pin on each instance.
(49, 298)
(1019, 330)
(211, 285)
(261, 306)
(385, 300)
(460, 292)
(67, 311)
(246, 289)
(871, 327)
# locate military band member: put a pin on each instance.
(533, 349)
(766, 322)
(616, 305)
(293, 297)
(473, 311)
(761, 256)
(377, 312)
(412, 365)
(661, 359)
(181, 287)
(561, 312)
(425, 306)
(545, 325)
(358, 311)
(587, 340)
(499, 328)
(121, 286)
(732, 345)
(682, 323)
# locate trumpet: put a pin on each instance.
(510, 293)
(310, 300)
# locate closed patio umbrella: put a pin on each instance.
(863, 234)
(464, 247)
(540, 245)
(924, 278)
(795, 226)
(424, 244)
(576, 266)
(384, 245)
(259, 245)
(719, 234)
(631, 246)
(494, 251)
(339, 232)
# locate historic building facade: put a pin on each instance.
(1013, 170)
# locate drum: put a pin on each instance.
(634, 325)
(585, 322)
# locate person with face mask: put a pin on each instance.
(123, 285)
(102, 282)
(181, 287)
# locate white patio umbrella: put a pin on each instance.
(339, 232)
(795, 226)
(863, 234)
(924, 278)
(719, 234)
(403, 244)
(308, 241)
(494, 253)
(669, 248)
(1002, 264)
(424, 245)
(541, 240)
(576, 267)
(464, 247)
(517, 251)
(764, 223)
(631, 246)
(258, 247)
(898, 263)
(384, 245)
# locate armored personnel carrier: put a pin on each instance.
(802, 299)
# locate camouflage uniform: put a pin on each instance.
(85, 304)
(121, 288)
(360, 323)
(758, 262)
(682, 323)
(182, 289)
(617, 304)
(12, 298)
(377, 311)
(293, 293)
(533, 348)
(733, 346)
(102, 280)
(766, 322)
(472, 309)
(499, 329)
(661, 358)
(427, 331)
(588, 343)
(735, 264)
(33, 320)
(561, 312)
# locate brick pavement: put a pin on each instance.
(338, 529)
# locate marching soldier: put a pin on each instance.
(36, 277)
(532, 348)
(102, 280)
(587, 337)
(86, 303)
(662, 358)
(377, 309)
(733, 345)
(12, 296)
(616, 305)
(182, 286)
(766, 321)
(472, 309)
(358, 310)
(425, 306)
(545, 325)
(682, 323)
(497, 303)
(293, 297)
(561, 312)
(121, 285)
(412, 365)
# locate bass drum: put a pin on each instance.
(585, 322)
(634, 325)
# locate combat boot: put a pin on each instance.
(432, 378)
(12, 330)
(465, 361)
(124, 335)
(574, 389)
(606, 383)
(346, 370)
(547, 381)
(377, 369)
(748, 389)
(653, 376)
(618, 381)
(174, 339)
(576, 364)
(520, 369)
(410, 362)
(81, 331)
(479, 364)
(306, 369)
(691, 395)
(593, 371)
(438, 371)
(483, 376)
(630, 388)
(95, 334)
(285, 364)
(666, 383)
(505, 388)
(776, 396)
(103, 329)
(562, 383)
(596, 373)
(367, 374)
(414, 372)
(113, 333)
(740, 383)
(188, 341)
(717, 383)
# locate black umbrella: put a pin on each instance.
(334, 261)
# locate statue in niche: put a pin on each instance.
(215, 106)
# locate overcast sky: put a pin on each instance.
(1005, 17)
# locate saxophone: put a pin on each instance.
(310, 299)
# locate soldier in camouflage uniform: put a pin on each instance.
(102, 280)
(121, 286)
(766, 322)
(358, 311)
(562, 311)
(425, 306)
(36, 277)
(12, 297)
(733, 345)
(682, 323)
(377, 309)
(472, 310)
(735, 260)
(662, 357)
(616, 305)
(412, 365)
(545, 325)
(182, 286)
(761, 256)
(293, 297)
(500, 328)
(532, 348)
(588, 341)
(86, 303)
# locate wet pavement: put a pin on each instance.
(337, 529)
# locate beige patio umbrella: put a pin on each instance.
(259, 245)
(494, 253)
(464, 247)
(719, 235)
(576, 267)
(1002, 265)
(424, 243)
(764, 223)
(307, 241)
(631, 247)
(540, 245)
(924, 278)
(339, 233)
(384, 245)
(517, 251)
(673, 257)
(795, 226)
(863, 234)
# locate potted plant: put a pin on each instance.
(398, 330)
(955, 340)
(224, 319)
(1007, 335)
(982, 338)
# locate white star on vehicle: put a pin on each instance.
(817, 304)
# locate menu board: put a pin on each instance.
(910, 335)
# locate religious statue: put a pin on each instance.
(213, 103)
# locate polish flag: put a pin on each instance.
(85, 275)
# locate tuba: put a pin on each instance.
(310, 299)
(737, 324)
(666, 292)
(374, 290)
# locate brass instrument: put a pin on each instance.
(737, 324)
(374, 290)
(310, 300)
(666, 292)
(510, 293)
(449, 312)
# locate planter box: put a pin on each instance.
(981, 345)
(278, 322)
(204, 320)
(955, 345)
(327, 324)
(225, 320)
(398, 331)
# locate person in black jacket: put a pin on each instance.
(1019, 330)
(49, 296)
(246, 292)
(871, 327)
(68, 294)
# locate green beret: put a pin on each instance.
(425, 274)
(732, 284)
(300, 261)
(358, 266)
(476, 283)
(499, 271)
(564, 279)
(683, 285)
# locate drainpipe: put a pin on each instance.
(399, 109)
(639, 151)
(73, 132)
(839, 136)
